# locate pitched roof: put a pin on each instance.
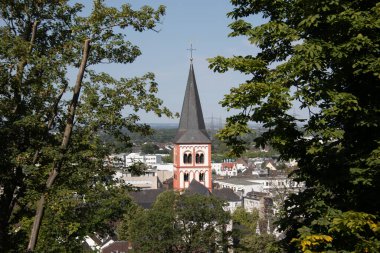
(226, 194)
(146, 198)
(196, 187)
(116, 246)
(228, 165)
(191, 125)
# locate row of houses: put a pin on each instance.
(252, 183)
(125, 160)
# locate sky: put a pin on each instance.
(202, 23)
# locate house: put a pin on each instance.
(230, 167)
(232, 199)
(117, 247)
(240, 185)
(94, 243)
(225, 169)
(148, 180)
(243, 185)
(146, 159)
(115, 160)
(253, 199)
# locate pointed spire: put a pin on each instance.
(191, 126)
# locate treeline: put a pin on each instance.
(148, 144)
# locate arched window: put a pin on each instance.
(186, 177)
(187, 157)
(201, 177)
(199, 157)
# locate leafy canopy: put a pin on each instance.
(180, 223)
(323, 56)
(245, 233)
(40, 42)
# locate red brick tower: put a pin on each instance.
(192, 145)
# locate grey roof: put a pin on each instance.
(196, 187)
(237, 181)
(146, 198)
(256, 195)
(191, 125)
(226, 194)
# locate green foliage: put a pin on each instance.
(41, 41)
(149, 148)
(180, 223)
(324, 55)
(245, 224)
(168, 158)
(122, 229)
(355, 231)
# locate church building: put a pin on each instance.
(192, 145)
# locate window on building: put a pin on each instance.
(187, 158)
(186, 177)
(199, 158)
(201, 177)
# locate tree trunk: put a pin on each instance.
(65, 141)
(11, 190)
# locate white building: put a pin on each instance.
(243, 185)
(229, 168)
(254, 200)
(149, 180)
(146, 159)
(232, 200)
(115, 160)
(226, 169)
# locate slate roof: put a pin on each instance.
(146, 198)
(256, 195)
(226, 194)
(196, 187)
(238, 180)
(191, 125)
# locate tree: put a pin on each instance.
(168, 158)
(180, 223)
(149, 148)
(245, 226)
(324, 55)
(53, 154)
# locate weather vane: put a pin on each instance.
(191, 49)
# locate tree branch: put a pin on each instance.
(65, 142)
(21, 67)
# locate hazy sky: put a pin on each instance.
(204, 24)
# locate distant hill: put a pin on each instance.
(163, 125)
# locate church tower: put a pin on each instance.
(192, 145)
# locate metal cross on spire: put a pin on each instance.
(191, 49)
